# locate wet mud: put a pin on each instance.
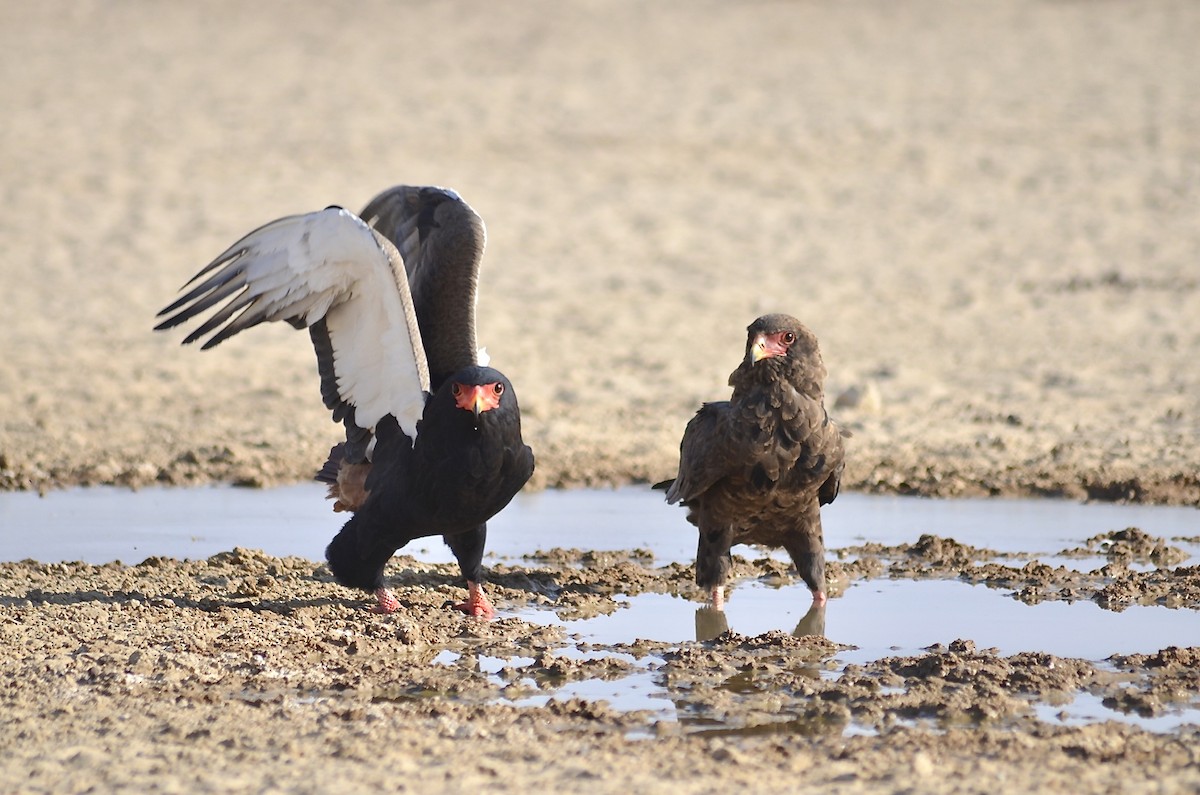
(1116, 585)
(132, 673)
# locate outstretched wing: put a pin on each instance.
(441, 240)
(330, 271)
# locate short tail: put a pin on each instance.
(669, 487)
(347, 482)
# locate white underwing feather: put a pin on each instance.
(330, 265)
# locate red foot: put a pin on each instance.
(387, 602)
(477, 603)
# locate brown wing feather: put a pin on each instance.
(705, 453)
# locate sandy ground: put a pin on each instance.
(987, 212)
(988, 215)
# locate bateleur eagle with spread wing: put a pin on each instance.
(433, 436)
(757, 468)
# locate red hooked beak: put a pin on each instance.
(768, 345)
(477, 398)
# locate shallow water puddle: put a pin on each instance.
(1086, 708)
(889, 618)
(102, 524)
(879, 617)
(895, 617)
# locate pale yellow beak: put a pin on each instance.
(767, 346)
(758, 351)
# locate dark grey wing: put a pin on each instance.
(805, 454)
(441, 240)
(832, 486)
(707, 453)
(836, 460)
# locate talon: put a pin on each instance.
(477, 603)
(386, 602)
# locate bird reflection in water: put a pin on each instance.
(710, 623)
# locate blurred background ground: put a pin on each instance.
(987, 212)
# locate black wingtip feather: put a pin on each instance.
(167, 324)
(228, 256)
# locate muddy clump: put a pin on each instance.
(1116, 585)
(1129, 546)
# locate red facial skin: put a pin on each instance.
(477, 398)
(767, 346)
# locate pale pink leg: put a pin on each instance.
(386, 602)
(477, 603)
(819, 598)
(718, 598)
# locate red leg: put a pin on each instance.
(386, 602)
(477, 603)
